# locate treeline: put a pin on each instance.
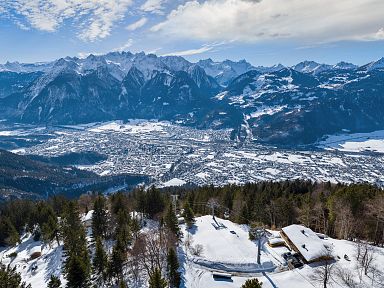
(338, 210)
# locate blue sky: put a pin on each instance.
(265, 32)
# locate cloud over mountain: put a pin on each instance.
(258, 20)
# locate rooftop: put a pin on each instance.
(307, 242)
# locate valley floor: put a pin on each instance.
(173, 155)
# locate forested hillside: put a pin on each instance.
(38, 177)
(115, 248)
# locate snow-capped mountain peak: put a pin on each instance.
(379, 64)
(344, 66)
(311, 67)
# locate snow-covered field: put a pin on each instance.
(356, 142)
(234, 253)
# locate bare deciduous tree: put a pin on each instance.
(344, 221)
(197, 250)
(151, 249)
(346, 277)
(375, 208)
(365, 255)
(323, 274)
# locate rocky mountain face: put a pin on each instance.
(279, 105)
(290, 107)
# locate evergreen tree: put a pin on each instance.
(123, 229)
(54, 282)
(171, 220)
(154, 202)
(77, 272)
(172, 268)
(100, 261)
(50, 230)
(8, 233)
(119, 201)
(118, 259)
(99, 218)
(188, 215)
(9, 278)
(156, 280)
(252, 283)
(141, 201)
(122, 284)
(77, 265)
(135, 227)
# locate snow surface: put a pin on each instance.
(356, 142)
(49, 263)
(223, 250)
(133, 127)
(306, 241)
(173, 182)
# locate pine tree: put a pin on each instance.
(54, 282)
(122, 284)
(154, 202)
(100, 261)
(8, 233)
(135, 227)
(252, 283)
(171, 220)
(188, 215)
(118, 259)
(123, 229)
(77, 272)
(50, 230)
(77, 265)
(172, 268)
(99, 218)
(156, 281)
(9, 278)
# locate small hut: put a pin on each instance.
(35, 252)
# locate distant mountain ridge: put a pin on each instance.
(278, 104)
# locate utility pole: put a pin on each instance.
(258, 233)
(212, 203)
(174, 201)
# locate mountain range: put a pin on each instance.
(278, 105)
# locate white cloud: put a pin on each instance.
(153, 6)
(260, 20)
(22, 26)
(125, 46)
(379, 35)
(83, 55)
(95, 18)
(138, 24)
(189, 52)
(205, 48)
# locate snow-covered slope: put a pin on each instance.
(379, 64)
(228, 247)
(206, 94)
(311, 67)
